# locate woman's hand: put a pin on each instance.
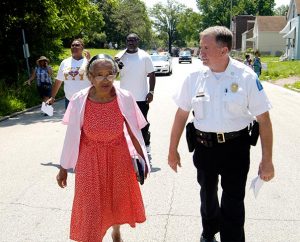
(61, 177)
(87, 54)
(50, 101)
(28, 82)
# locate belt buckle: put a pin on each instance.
(220, 137)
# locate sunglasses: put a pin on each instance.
(101, 78)
(75, 45)
(132, 40)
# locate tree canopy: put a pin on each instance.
(46, 23)
(50, 25)
(218, 12)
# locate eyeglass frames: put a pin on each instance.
(101, 78)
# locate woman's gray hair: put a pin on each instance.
(222, 35)
(105, 58)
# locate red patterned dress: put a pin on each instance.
(106, 189)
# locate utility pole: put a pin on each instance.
(26, 52)
(231, 15)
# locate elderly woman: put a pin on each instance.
(72, 72)
(104, 131)
(42, 73)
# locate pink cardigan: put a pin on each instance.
(74, 117)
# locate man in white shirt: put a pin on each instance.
(137, 66)
(226, 96)
(72, 72)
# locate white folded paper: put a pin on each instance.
(256, 185)
(48, 109)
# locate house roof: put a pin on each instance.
(271, 23)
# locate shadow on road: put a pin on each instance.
(34, 116)
(155, 169)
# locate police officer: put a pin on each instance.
(226, 96)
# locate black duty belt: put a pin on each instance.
(209, 139)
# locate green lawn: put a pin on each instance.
(279, 69)
(111, 52)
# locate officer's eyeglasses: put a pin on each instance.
(101, 78)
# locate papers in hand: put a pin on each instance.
(48, 109)
(256, 185)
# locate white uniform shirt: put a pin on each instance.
(133, 76)
(72, 73)
(225, 105)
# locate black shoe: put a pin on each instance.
(202, 239)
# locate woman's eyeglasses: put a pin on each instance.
(101, 78)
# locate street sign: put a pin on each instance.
(26, 51)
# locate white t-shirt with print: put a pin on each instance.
(72, 73)
(133, 76)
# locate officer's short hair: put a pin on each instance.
(222, 34)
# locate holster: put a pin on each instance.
(190, 136)
(254, 132)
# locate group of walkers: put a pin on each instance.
(107, 125)
(255, 64)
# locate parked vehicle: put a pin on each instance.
(185, 56)
(162, 64)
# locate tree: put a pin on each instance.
(45, 23)
(130, 16)
(282, 10)
(189, 25)
(166, 18)
(218, 12)
(215, 12)
(109, 8)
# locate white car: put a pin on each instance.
(162, 64)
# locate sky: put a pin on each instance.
(192, 3)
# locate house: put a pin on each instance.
(247, 41)
(291, 32)
(266, 37)
(239, 26)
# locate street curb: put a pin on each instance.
(24, 111)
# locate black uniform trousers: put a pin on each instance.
(230, 161)
(144, 107)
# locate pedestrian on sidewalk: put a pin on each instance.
(137, 66)
(72, 72)
(257, 63)
(103, 122)
(42, 73)
(226, 96)
(248, 61)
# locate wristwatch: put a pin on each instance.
(152, 92)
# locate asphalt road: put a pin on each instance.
(33, 208)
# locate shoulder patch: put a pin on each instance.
(258, 84)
